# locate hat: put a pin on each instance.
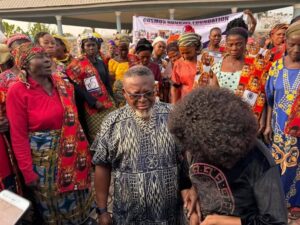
(25, 52)
(64, 41)
(172, 38)
(188, 29)
(4, 54)
(293, 29)
(158, 39)
(17, 37)
(122, 38)
(91, 36)
(189, 39)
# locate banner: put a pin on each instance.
(150, 28)
(266, 20)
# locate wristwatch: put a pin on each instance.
(100, 211)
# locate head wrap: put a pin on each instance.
(172, 38)
(4, 54)
(277, 27)
(25, 52)
(143, 45)
(17, 37)
(188, 29)
(64, 41)
(90, 36)
(189, 39)
(158, 39)
(122, 38)
(293, 29)
(111, 42)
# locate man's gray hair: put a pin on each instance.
(138, 71)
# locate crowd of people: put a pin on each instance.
(172, 131)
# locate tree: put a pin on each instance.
(87, 30)
(10, 29)
(69, 35)
(39, 27)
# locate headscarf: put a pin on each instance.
(4, 54)
(188, 29)
(172, 38)
(157, 40)
(143, 45)
(293, 29)
(189, 39)
(17, 37)
(64, 41)
(25, 52)
(111, 42)
(90, 36)
(122, 38)
(277, 27)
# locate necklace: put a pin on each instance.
(289, 92)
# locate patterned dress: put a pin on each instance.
(281, 90)
(146, 167)
(9, 174)
(228, 80)
(49, 144)
(94, 78)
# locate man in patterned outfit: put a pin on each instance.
(135, 146)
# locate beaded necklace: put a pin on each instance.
(289, 91)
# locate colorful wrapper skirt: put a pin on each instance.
(53, 207)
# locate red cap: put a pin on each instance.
(188, 29)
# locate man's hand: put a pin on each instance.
(104, 219)
(3, 125)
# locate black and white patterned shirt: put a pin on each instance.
(146, 164)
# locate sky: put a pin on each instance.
(75, 30)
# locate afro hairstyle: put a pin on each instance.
(214, 126)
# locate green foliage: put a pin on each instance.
(35, 28)
(10, 29)
(87, 30)
(68, 35)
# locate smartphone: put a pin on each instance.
(12, 207)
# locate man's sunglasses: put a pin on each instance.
(148, 94)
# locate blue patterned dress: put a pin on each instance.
(281, 90)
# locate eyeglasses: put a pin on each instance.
(148, 94)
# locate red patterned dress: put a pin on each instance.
(49, 144)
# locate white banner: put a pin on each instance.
(150, 28)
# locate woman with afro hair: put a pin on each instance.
(234, 174)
